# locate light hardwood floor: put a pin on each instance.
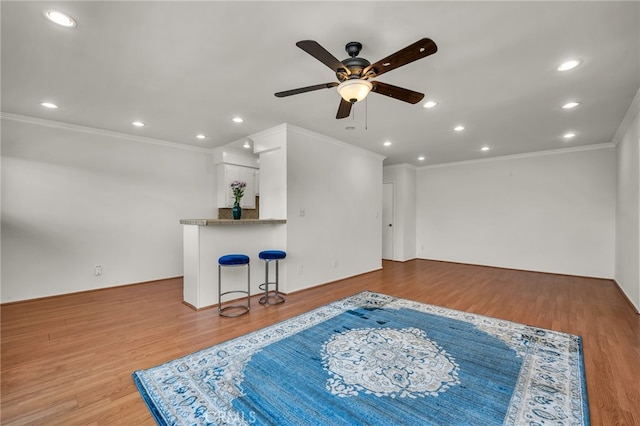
(68, 359)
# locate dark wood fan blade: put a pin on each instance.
(314, 49)
(413, 52)
(344, 110)
(396, 92)
(305, 89)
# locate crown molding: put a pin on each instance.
(280, 128)
(633, 110)
(100, 132)
(307, 132)
(406, 166)
(519, 156)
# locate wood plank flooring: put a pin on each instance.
(68, 360)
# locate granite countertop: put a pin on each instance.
(211, 222)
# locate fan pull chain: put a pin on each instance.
(366, 113)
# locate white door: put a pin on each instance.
(387, 221)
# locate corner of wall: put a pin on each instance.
(627, 224)
(631, 114)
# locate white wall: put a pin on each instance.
(403, 177)
(551, 212)
(271, 146)
(334, 209)
(627, 267)
(74, 198)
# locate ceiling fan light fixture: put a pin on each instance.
(354, 90)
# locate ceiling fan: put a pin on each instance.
(355, 73)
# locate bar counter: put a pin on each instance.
(205, 240)
(212, 222)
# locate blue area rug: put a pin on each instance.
(372, 359)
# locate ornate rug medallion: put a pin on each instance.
(387, 362)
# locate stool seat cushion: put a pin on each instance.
(272, 254)
(233, 259)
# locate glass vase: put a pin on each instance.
(236, 211)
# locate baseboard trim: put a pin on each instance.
(333, 282)
(633, 307)
(401, 261)
(517, 269)
(93, 290)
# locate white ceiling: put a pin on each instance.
(190, 67)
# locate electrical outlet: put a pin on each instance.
(98, 271)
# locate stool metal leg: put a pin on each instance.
(265, 298)
(243, 308)
(274, 298)
(277, 295)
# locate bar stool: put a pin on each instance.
(233, 260)
(274, 297)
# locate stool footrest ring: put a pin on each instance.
(234, 260)
(243, 310)
(271, 297)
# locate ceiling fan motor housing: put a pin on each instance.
(355, 64)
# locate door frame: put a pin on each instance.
(389, 248)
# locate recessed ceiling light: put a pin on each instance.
(201, 136)
(138, 123)
(485, 148)
(421, 158)
(49, 105)
(458, 128)
(60, 18)
(246, 145)
(387, 143)
(237, 120)
(570, 105)
(429, 104)
(569, 65)
(569, 135)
